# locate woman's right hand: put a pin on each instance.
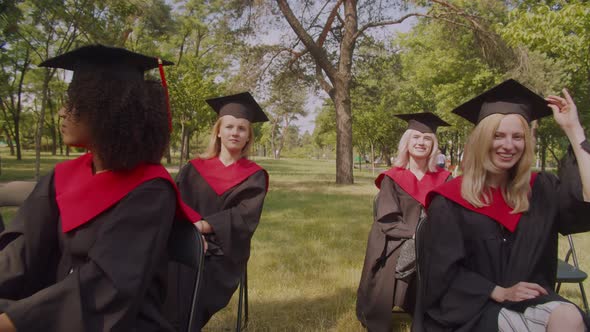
(199, 226)
(6, 324)
(519, 292)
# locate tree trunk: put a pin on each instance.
(53, 126)
(372, 158)
(18, 109)
(182, 142)
(168, 155)
(272, 140)
(39, 132)
(543, 157)
(343, 133)
(284, 134)
(9, 142)
(187, 145)
(17, 140)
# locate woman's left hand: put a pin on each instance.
(565, 113)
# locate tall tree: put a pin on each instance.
(331, 45)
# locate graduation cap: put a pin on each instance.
(508, 97)
(116, 63)
(241, 105)
(423, 122)
(112, 63)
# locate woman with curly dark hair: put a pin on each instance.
(87, 249)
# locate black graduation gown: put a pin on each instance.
(106, 275)
(234, 216)
(395, 221)
(463, 255)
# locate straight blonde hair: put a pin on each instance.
(477, 167)
(214, 147)
(402, 159)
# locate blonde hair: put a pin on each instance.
(477, 167)
(214, 147)
(402, 159)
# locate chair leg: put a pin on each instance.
(242, 295)
(584, 299)
(245, 299)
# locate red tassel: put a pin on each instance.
(165, 86)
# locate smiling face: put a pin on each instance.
(234, 133)
(508, 143)
(420, 145)
(74, 131)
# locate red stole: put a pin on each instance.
(411, 185)
(221, 178)
(499, 210)
(81, 195)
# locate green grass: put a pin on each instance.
(308, 250)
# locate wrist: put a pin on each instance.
(575, 134)
(498, 294)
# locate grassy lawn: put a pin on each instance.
(308, 250)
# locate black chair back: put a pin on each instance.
(186, 246)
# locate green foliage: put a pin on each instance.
(561, 33)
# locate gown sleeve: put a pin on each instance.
(105, 292)
(574, 213)
(389, 214)
(25, 267)
(451, 293)
(235, 224)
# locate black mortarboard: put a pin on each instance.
(423, 122)
(113, 62)
(241, 105)
(508, 97)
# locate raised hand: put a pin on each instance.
(565, 111)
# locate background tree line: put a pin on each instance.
(285, 51)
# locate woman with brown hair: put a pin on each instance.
(398, 207)
(488, 251)
(228, 190)
(66, 261)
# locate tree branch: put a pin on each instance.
(385, 23)
(318, 53)
(323, 83)
(328, 26)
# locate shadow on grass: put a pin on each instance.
(301, 314)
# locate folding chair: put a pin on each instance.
(186, 246)
(567, 273)
(243, 302)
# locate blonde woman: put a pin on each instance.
(398, 207)
(488, 252)
(228, 190)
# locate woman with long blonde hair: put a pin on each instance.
(487, 256)
(398, 207)
(228, 190)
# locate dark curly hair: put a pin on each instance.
(127, 119)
